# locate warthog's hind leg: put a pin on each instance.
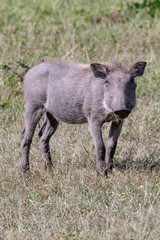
(46, 131)
(32, 116)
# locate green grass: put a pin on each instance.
(72, 202)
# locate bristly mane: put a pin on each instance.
(113, 65)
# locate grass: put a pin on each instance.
(72, 202)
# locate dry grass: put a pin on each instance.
(72, 202)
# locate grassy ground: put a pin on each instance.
(72, 202)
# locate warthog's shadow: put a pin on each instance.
(149, 163)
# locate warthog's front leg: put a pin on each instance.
(112, 143)
(95, 129)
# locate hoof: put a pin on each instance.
(104, 169)
(101, 169)
(24, 169)
(48, 165)
(108, 170)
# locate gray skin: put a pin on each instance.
(75, 94)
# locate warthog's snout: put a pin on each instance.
(122, 113)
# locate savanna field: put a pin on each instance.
(72, 202)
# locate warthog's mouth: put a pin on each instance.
(118, 115)
(123, 113)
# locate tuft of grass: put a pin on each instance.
(72, 202)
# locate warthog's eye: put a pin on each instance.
(106, 82)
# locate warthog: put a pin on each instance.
(78, 93)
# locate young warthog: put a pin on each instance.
(77, 93)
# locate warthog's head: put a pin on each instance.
(119, 87)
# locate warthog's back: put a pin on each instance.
(61, 87)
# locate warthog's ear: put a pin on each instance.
(138, 69)
(99, 70)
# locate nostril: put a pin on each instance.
(122, 113)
